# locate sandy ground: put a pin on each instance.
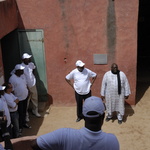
(133, 133)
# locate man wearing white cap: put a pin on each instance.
(31, 83)
(82, 84)
(4, 111)
(19, 84)
(90, 137)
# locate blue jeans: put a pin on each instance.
(15, 122)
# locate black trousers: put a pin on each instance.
(22, 107)
(79, 101)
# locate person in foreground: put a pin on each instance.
(90, 137)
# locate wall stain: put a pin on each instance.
(111, 31)
(65, 26)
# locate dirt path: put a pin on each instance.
(133, 134)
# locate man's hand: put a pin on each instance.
(22, 143)
(126, 97)
(70, 83)
(103, 99)
(16, 101)
(93, 80)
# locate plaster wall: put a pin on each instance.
(8, 17)
(8, 22)
(79, 29)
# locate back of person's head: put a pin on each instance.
(94, 113)
(7, 86)
(2, 88)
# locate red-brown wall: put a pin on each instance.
(8, 22)
(77, 29)
(8, 17)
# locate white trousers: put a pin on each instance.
(119, 116)
(33, 96)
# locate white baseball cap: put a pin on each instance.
(95, 104)
(80, 63)
(19, 67)
(2, 87)
(26, 55)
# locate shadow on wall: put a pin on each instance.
(143, 78)
(141, 89)
(111, 31)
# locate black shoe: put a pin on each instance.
(78, 119)
(119, 121)
(27, 126)
(107, 119)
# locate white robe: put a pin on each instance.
(109, 89)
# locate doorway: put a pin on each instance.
(31, 41)
(26, 41)
(143, 59)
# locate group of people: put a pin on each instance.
(89, 137)
(16, 94)
(115, 89)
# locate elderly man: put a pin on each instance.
(82, 84)
(114, 90)
(90, 137)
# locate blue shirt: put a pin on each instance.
(78, 139)
(1, 147)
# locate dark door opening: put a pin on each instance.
(10, 53)
(26, 41)
(143, 59)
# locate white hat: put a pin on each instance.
(80, 63)
(19, 67)
(25, 55)
(2, 87)
(95, 104)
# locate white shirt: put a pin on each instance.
(82, 82)
(28, 72)
(10, 98)
(19, 86)
(4, 107)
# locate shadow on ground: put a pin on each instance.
(36, 122)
